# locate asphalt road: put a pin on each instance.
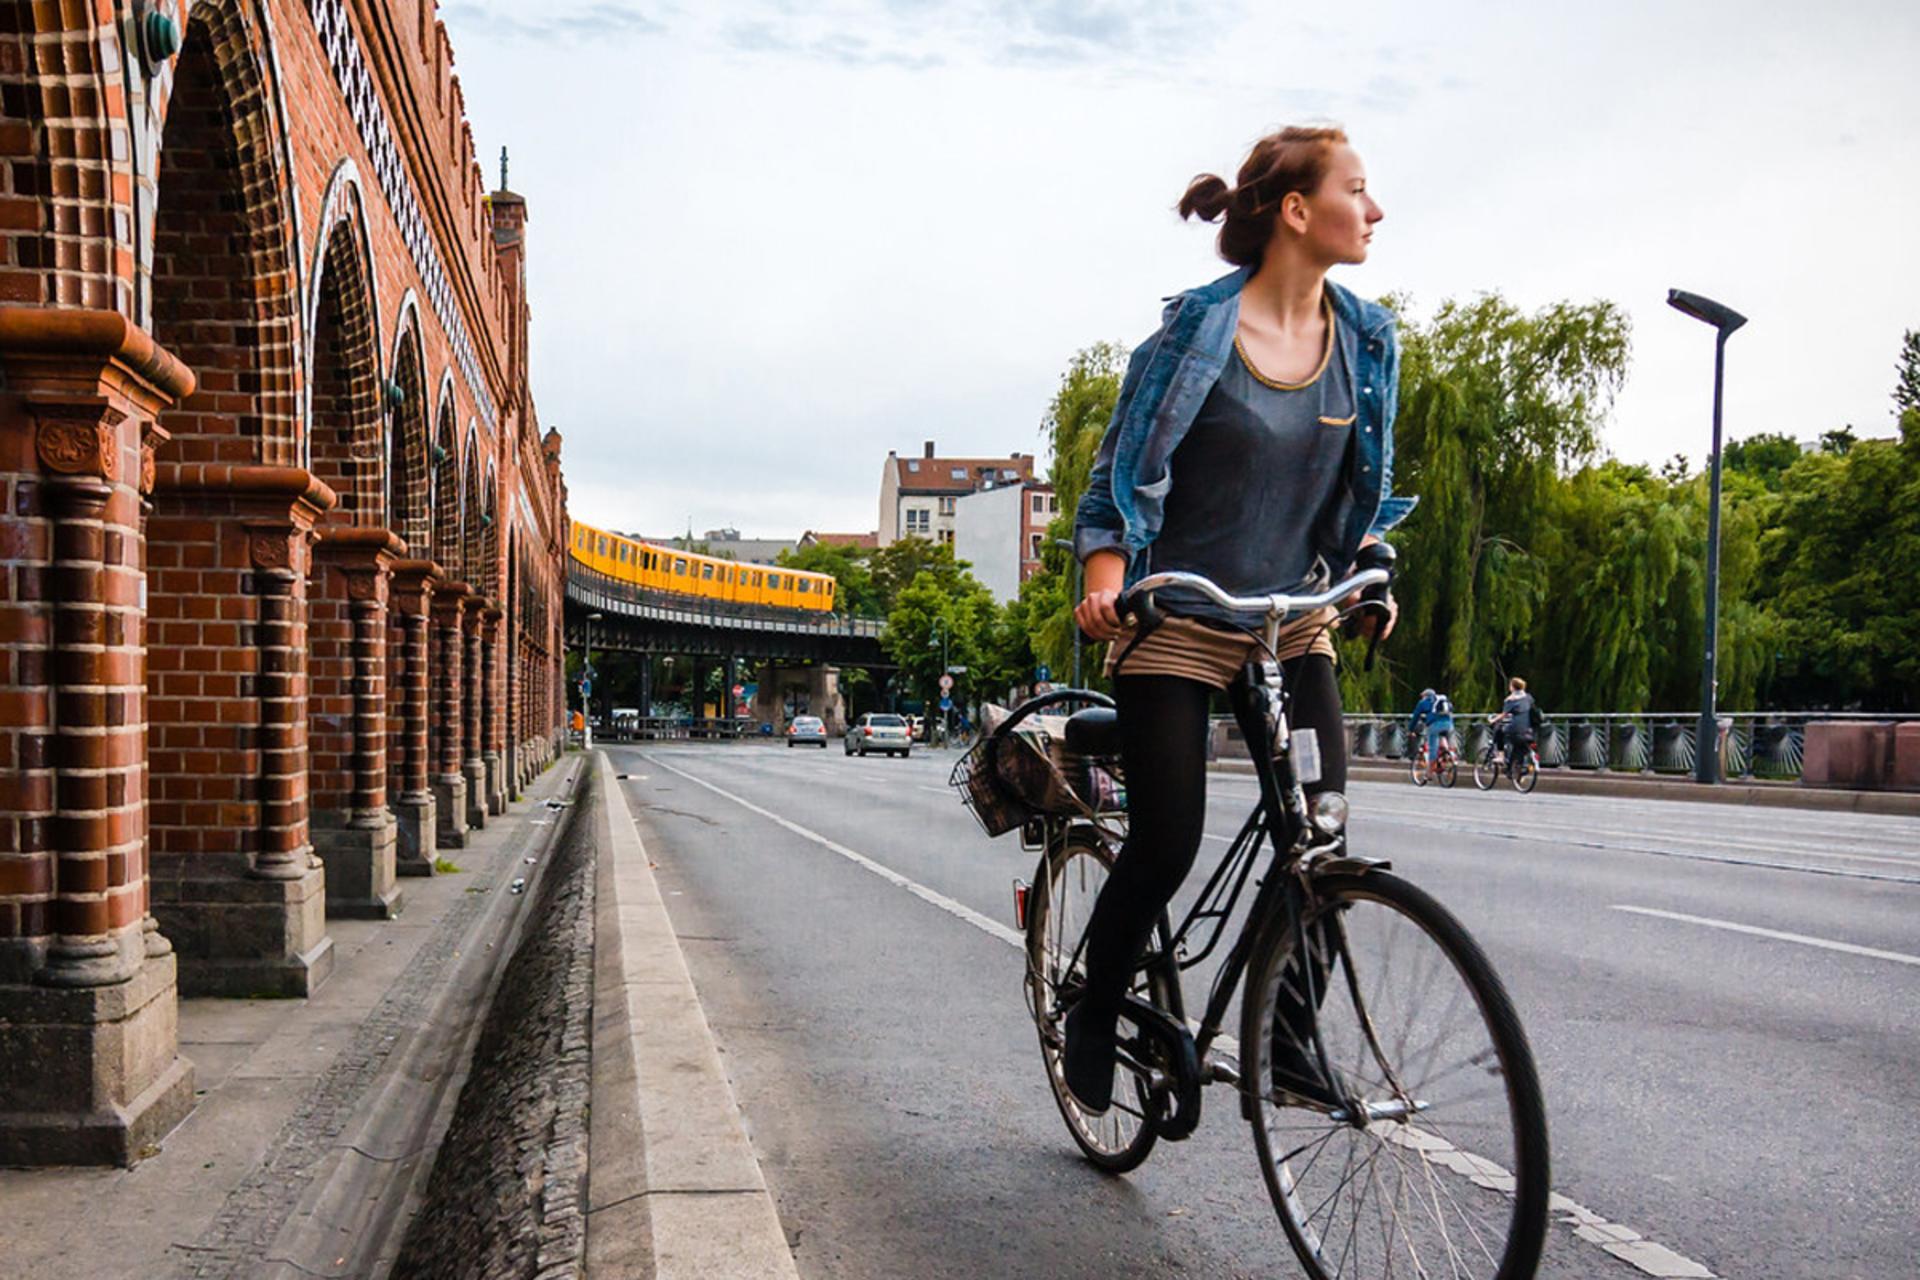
(1724, 1002)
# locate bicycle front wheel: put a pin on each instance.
(1426, 1152)
(1485, 772)
(1057, 915)
(1417, 766)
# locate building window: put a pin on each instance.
(946, 537)
(959, 473)
(946, 506)
(1039, 504)
(1033, 550)
(913, 464)
(919, 520)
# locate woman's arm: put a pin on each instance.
(1096, 614)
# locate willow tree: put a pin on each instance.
(1496, 404)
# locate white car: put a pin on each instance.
(808, 729)
(880, 731)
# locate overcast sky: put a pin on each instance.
(771, 241)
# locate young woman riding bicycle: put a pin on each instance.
(1252, 444)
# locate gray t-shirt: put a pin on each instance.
(1253, 481)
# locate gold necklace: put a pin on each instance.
(1326, 356)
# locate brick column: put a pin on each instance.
(356, 839)
(90, 1071)
(493, 710)
(449, 783)
(473, 696)
(413, 807)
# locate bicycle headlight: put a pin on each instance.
(1330, 812)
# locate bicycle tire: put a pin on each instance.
(1417, 767)
(1450, 772)
(1410, 1119)
(1485, 773)
(1126, 1150)
(1525, 774)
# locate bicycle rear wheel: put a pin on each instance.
(1057, 914)
(1526, 774)
(1443, 1171)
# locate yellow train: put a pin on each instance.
(658, 568)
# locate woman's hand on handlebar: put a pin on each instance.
(1098, 613)
(1376, 623)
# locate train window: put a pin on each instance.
(773, 581)
(706, 572)
(805, 586)
(680, 567)
(603, 546)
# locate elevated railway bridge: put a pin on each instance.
(798, 654)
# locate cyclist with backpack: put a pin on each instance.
(1434, 711)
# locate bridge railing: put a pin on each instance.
(1756, 745)
(598, 591)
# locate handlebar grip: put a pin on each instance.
(1141, 611)
(1377, 555)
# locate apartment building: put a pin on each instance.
(919, 496)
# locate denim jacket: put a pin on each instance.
(1171, 374)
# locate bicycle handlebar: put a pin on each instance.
(1277, 605)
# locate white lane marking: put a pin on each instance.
(1898, 957)
(1622, 1242)
(984, 923)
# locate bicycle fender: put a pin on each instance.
(1352, 864)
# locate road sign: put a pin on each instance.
(1042, 673)
(956, 671)
(946, 683)
(739, 689)
(946, 703)
(586, 688)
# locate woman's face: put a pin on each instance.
(1338, 218)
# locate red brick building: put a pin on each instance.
(280, 602)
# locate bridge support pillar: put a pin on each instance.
(354, 834)
(89, 1065)
(493, 758)
(417, 840)
(449, 783)
(473, 764)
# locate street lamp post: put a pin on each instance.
(1724, 319)
(1079, 571)
(586, 686)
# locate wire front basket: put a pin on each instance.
(1020, 768)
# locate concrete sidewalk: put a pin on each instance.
(315, 1119)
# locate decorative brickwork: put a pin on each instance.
(278, 627)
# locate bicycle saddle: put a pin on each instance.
(1094, 732)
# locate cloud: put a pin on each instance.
(600, 20)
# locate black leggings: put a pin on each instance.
(1163, 748)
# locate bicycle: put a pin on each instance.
(1446, 768)
(1522, 768)
(1400, 1125)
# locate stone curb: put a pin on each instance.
(673, 1188)
(1776, 795)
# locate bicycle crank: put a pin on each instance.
(1163, 1054)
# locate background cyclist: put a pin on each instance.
(1434, 712)
(1518, 725)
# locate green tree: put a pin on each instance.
(893, 567)
(1765, 456)
(1494, 404)
(942, 616)
(855, 592)
(1906, 388)
(1073, 426)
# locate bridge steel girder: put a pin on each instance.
(635, 622)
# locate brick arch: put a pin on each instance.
(472, 528)
(409, 444)
(58, 77)
(223, 290)
(446, 494)
(345, 434)
(489, 573)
